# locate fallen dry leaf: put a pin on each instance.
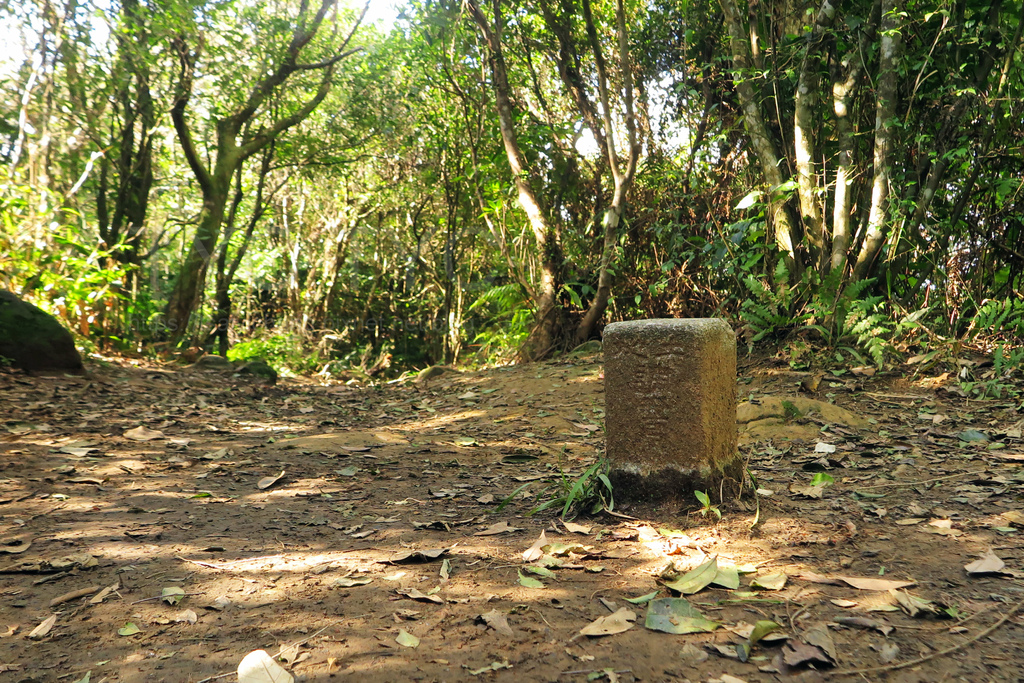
(414, 556)
(416, 594)
(499, 528)
(140, 433)
(41, 631)
(102, 595)
(988, 564)
(497, 621)
(617, 622)
(15, 546)
(869, 584)
(534, 552)
(575, 528)
(267, 482)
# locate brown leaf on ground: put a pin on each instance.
(617, 622)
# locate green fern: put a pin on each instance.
(996, 318)
(867, 323)
(768, 312)
(506, 298)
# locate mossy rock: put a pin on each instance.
(776, 417)
(33, 339)
(213, 362)
(433, 371)
(261, 369)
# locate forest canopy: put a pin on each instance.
(489, 180)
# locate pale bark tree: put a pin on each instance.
(622, 178)
(786, 234)
(805, 103)
(545, 334)
(844, 87)
(890, 53)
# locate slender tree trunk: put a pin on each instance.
(842, 99)
(623, 179)
(786, 234)
(803, 135)
(545, 334)
(192, 274)
(885, 110)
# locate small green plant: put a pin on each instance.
(790, 410)
(707, 509)
(997, 383)
(822, 479)
(591, 492)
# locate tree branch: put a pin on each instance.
(183, 92)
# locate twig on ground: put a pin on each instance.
(940, 653)
(914, 483)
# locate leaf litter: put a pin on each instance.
(178, 482)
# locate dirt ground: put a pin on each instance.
(353, 532)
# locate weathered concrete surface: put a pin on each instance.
(670, 407)
(33, 338)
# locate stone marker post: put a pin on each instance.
(670, 408)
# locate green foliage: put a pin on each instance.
(707, 509)
(589, 493)
(849, 316)
(506, 319)
(822, 479)
(868, 326)
(1000, 319)
(998, 382)
(769, 311)
(45, 256)
(280, 350)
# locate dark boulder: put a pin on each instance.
(33, 339)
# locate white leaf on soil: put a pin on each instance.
(534, 551)
(43, 629)
(618, 622)
(267, 482)
(258, 667)
(988, 564)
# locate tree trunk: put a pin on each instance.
(544, 336)
(805, 100)
(786, 235)
(184, 297)
(843, 89)
(623, 179)
(885, 110)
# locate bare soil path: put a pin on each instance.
(353, 530)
